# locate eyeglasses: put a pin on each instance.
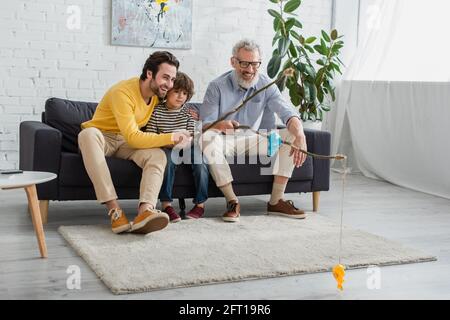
(246, 64)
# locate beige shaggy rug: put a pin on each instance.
(205, 251)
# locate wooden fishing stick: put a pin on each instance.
(314, 155)
(229, 113)
(287, 73)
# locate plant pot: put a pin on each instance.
(314, 125)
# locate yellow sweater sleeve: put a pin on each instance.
(122, 108)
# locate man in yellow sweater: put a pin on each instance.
(115, 131)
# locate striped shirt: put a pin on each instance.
(164, 120)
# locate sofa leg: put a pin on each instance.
(43, 207)
(182, 205)
(316, 196)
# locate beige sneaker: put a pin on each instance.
(119, 222)
(149, 221)
(286, 209)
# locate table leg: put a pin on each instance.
(33, 203)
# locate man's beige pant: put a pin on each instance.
(95, 145)
(217, 147)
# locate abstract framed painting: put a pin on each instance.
(152, 23)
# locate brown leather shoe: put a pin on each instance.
(286, 209)
(233, 212)
(119, 223)
(149, 221)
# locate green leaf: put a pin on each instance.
(302, 40)
(277, 24)
(295, 35)
(334, 34)
(307, 92)
(275, 1)
(312, 92)
(281, 85)
(331, 92)
(305, 116)
(301, 67)
(319, 76)
(340, 61)
(289, 23)
(320, 62)
(293, 51)
(273, 66)
(298, 24)
(336, 48)
(310, 71)
(320, 95)
(275, 14)
(310, 40)
(336, 67)
(320, 50)
(320, 118)
(290, 82)
(325, 36)
(326, 108)
(275, 39)
(291, 5)
(309, 48)
(283, 46)
(295, 96)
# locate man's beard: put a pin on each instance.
(247, 84)
(156, 90)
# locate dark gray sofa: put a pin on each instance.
(51, 145)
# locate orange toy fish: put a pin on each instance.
(339, 273)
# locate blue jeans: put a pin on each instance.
(199, 170)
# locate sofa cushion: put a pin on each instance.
(66, 116)
(126, 174)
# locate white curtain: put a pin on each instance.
(395, 96)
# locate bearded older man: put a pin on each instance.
(225, 93)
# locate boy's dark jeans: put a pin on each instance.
(199, 171)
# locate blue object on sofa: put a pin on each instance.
(51, 145)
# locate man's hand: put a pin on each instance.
(299, 157)
(181, 139)
(194, 113)
(226, 125)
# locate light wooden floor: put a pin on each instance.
(412, 218)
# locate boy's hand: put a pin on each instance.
(182, 139)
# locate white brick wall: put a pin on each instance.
(40, 57)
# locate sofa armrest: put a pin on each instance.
(319, 142)
(40, 150)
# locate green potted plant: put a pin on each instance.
(314, 60)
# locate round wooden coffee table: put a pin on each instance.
(28, 181)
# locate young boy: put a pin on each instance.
(173, 116)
